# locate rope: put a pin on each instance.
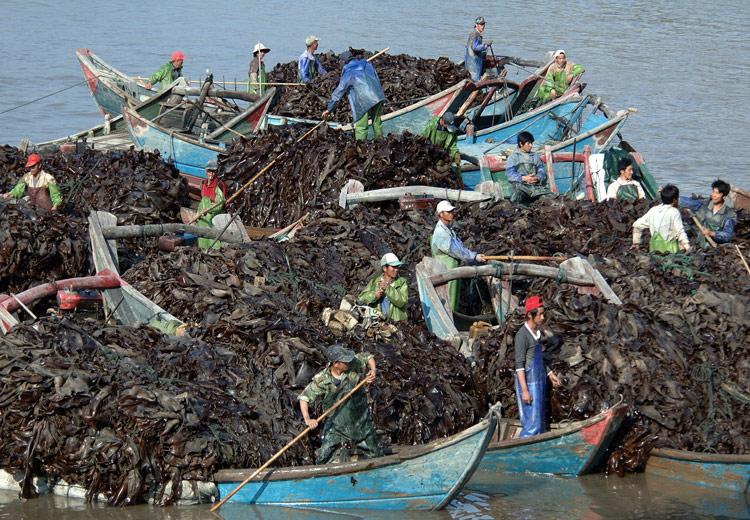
(680, 261)
(45, 96)
(713, 376)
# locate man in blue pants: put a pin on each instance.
(531, 374)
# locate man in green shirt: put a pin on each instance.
(43, 191)
(388, 292)
(442, 131)
(213, 191)
(168, 72)
(351, 421)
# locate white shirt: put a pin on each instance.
(665, 220)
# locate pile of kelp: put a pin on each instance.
(675, 350)
(405, 79)
(139, 186)
(310, 173)
(124, 411)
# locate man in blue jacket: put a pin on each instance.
(360, 82)
(308, 66)
(476, 50)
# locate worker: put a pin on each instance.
(476, 50)
(448, 248)
(525, 172)
(43, 191)
(715, 215)
(531, 374)
(351, 421)
(360, 83)
(665, 224)
(168, 72)
(213, 191)
(256, 74)
(308, 66)
(624, 187)
(559, 76)
(441, 131)
(388, 292)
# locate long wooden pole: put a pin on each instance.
(702, 229)
(538, 258)
(282, 450)
(742, 257)
(241, 82)
(377, 54)
(248, 183)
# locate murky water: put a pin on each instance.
(683, 65)
(517, 497)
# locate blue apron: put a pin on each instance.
(532, 415)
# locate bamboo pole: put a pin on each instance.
(702, 230)
(742, 257)
(537, 258)
(289, 445)
(248, 183)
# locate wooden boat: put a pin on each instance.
(109, 87)
(567, 449)
(424, 477)
(728, 472)
(740, 198)
(190, 151)
(432, 277)
(550, 122)
(412, 118)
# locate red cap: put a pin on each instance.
(177, 55)
(533, 303)
(33, 159)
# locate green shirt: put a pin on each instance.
(165, 75)
(323, 386)
(397, 293)
(440, 137)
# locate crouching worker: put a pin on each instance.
(531, 374)
(213, 192)
(42, 187)
(351, 421)
(664, 222)
(388, 292)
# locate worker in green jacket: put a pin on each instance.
(168, 72)
(442, 131)
(388, 292)
(351, 421)
(42, 187)
(256, 73)
(558, 77)
(213, 191)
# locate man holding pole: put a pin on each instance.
(351, 421)
(476, 50)
(360, 83)
(449, 249)
(715, 217)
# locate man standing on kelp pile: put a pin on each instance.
(308, 65)
(531, 374)
(449, 249)
(360, 83)
(351, 421)
(43, 191)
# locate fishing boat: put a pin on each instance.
(740, 198)
(567, 449)
(728, 472)
(110, 88)
(423, 477)
(433, 276)
(191, 149)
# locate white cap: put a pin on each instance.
(390, 259)
(444, 205)
(558, 52)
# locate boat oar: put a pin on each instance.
(377, 54)
(248, 183)
(537, 258)
(703, 230)
(282, 450)
(742, 257)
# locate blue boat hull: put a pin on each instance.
(401, 481)
(728, 472)
(573, 450)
